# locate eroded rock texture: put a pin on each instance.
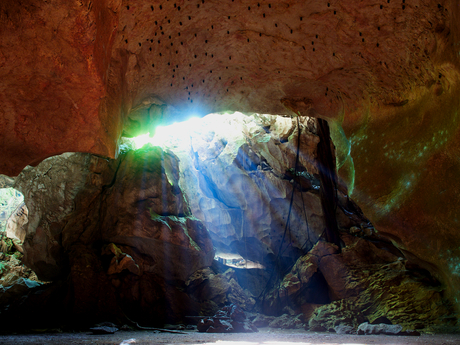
(119, 232)
(238, 173)
(368, 281)
(125, 244)
(404, 163)
(53, 57)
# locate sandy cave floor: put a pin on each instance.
(265, 336)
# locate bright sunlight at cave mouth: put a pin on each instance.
(238, 152)
(178, 132)
(165, 134)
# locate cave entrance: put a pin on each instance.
(237, 173)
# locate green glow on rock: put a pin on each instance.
(164, 133)
(180, 132)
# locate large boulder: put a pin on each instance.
(119, 230)
(365, 282)
(51, 191)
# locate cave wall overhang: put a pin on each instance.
(75, 74)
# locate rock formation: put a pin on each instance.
(229, 319)
(134, 239)
(77, 76)
(237, 173)
(119, 232)
(111, 66)
(368, 282)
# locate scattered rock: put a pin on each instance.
(287, 321)
(344, 329)
(367, 281)
(221, 289)
(262, 320)
(382, 328)
(211, 325)
(104, 330)
(230, 319)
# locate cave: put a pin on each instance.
(293, 163)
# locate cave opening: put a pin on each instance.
(254, 181)
(208, 215)
(225, 157)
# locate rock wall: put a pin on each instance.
(118, 232)
(136, 235)
(135, 238)
(369, 281)
(56, 66)
(237, 173)
(404, 162)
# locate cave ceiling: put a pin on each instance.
(75, 74)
